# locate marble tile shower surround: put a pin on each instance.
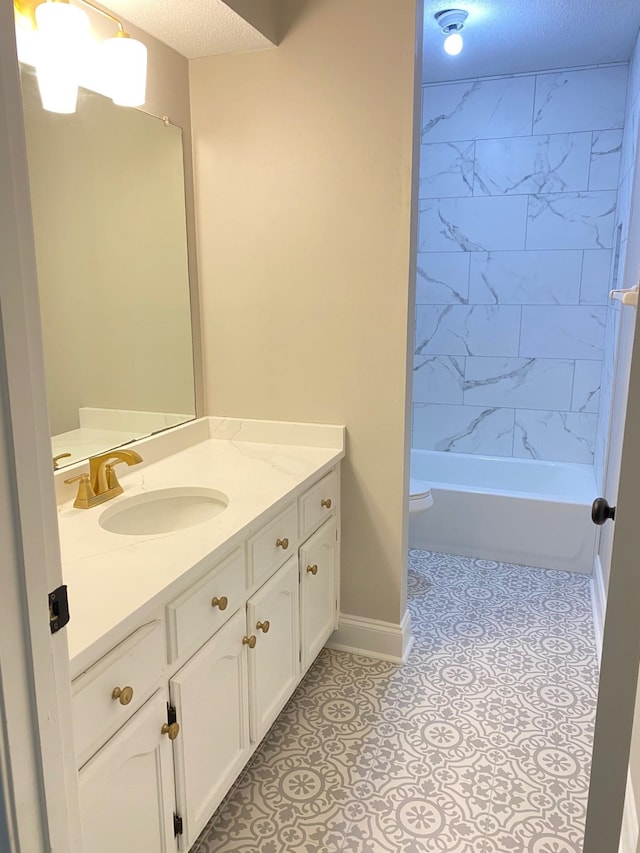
(519, 187)
(481, 743)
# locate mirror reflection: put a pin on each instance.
(107, 194)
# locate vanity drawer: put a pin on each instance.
(198, 613)
(273, 545)
(136, 663)
(318, 503)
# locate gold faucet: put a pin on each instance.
(101, 483)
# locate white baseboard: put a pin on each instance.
(630, 828)
(599, 603)
(372, 638)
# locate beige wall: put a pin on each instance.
(303, 170)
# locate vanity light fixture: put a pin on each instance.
(63, 34)
(125, 61)
(62, 45)
(451, 22)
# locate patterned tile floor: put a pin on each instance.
(480, 744)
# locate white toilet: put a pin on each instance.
(420, 498)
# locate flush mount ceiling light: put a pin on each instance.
(451, 22)
(61, 47)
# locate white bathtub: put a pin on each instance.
(513, 510)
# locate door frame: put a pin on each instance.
(620, 649)
(41, 795)
(620, 656)
(37, 757)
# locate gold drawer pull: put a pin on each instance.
(249, 641)
(282, 543)
(264, 626)
(326, 503)
(124, 694)
(172, 730)
(220, 602)
(312, 570)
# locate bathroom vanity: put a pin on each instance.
(186, 644)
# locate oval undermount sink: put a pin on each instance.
(163, 511)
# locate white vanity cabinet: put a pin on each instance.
(228, 695)
(274, 661)
(238, 639)
(210, 695)
(127, 788)
(318, 591)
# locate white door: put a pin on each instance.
(318, 605)
(274, 661)
(127, 791)
(214, 725)
(36, 747)
(621, 639)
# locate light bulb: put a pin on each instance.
(125, 69)
(453, 44)
(63, 32)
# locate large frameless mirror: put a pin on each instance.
(108, 201)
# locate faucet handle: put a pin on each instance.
(111, 476)
(85, 492)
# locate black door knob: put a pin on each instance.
(601, 511)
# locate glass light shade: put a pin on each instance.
(453, 44)
(125, 68)
(63, 34)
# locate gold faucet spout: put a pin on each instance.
(101, 474)
(101, 483)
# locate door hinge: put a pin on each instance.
(177, 824)
(58, 608)
(171, 714)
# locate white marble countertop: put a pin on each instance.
(115, 580)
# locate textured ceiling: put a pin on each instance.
(192, 27)
(501, 36)
(511, 36)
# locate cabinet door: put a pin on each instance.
(127, 793)
(318, 591)
(274, 662)
(210, 697)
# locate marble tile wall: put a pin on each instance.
(519, 183)
(629, 161)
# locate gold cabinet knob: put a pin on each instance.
(123, 694)
(249, 641)
(172, 730)
(312, 570)
(326, 503)
(282, 543)
(263, 626)
(221, 602)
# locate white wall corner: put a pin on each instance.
(630, 828)
(599, 604)
(372, 638)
